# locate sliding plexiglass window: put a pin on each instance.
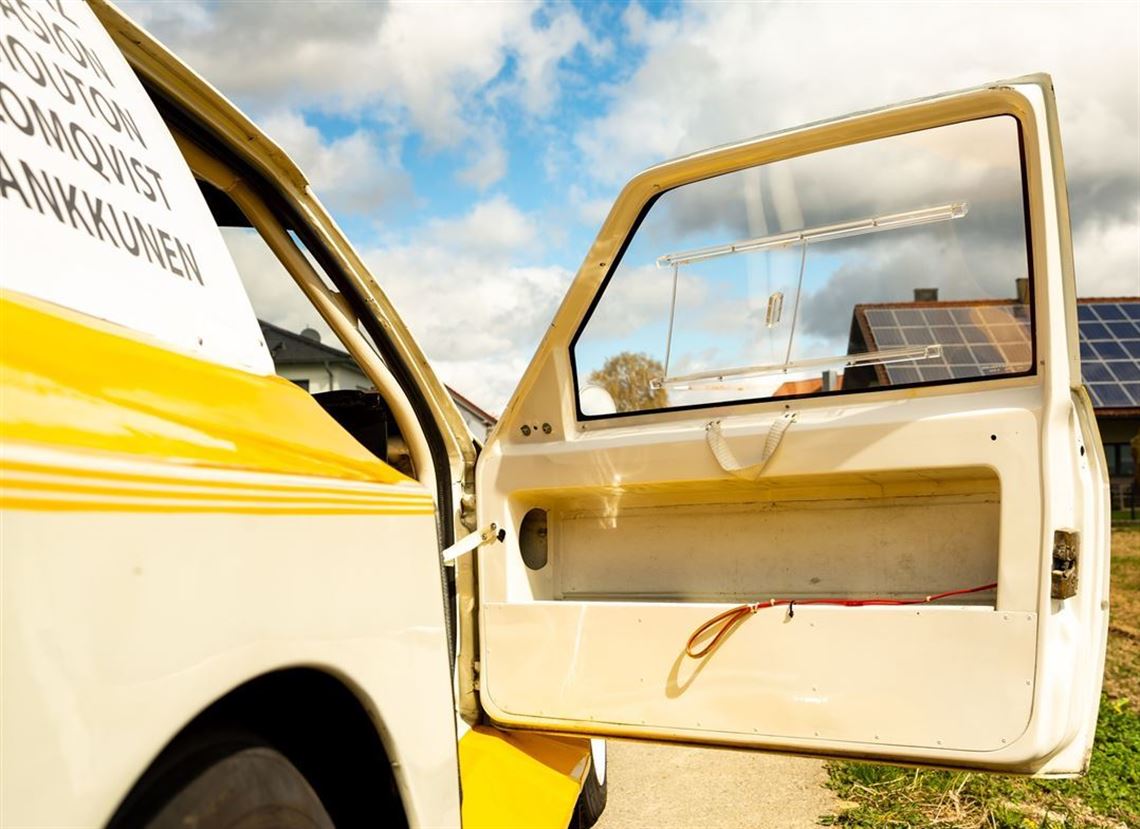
(898, 262)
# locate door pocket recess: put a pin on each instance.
(703, 548)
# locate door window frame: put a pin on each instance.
(903, 119)
(833, 393)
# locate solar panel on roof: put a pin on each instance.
(888, 337)
(915, 335)
(1122, 330)
(958, 355)
(909, 317)
(977, 341)
(1110, 352)
(1110, 395)
(994, 338)
(946, 334)
(1126, 370)
(1093, 330)
(1097, 372)
(986, 354)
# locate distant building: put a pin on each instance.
(303, 359)
(478, 421)
(312, 365)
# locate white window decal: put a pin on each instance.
(98, 211)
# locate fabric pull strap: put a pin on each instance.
(728, 461)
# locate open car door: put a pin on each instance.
(804, 462)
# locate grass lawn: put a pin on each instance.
(1108, 796)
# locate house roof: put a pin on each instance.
(481, 414)
(809, 386)
(289, 348)
(993, 336)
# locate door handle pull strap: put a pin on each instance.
(727, 458)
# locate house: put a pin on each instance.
(312, 365)
(478, 420)
(303, 359)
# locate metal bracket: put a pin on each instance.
(475, 540)
(1066, 559)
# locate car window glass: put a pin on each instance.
(896, 262)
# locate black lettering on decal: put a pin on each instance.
(9, 182)
(38, 188)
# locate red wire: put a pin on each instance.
(729, 619)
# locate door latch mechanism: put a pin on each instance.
(473, 541)
(1066, 555)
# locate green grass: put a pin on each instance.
(1108, 796)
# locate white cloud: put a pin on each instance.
(639, 296)
(489, 162)
(351, 174)
(589, 210)
(1105, 257)
(492, 230)
(718, 73)
(474, 307)
(540, 51)
(434, 66)
(275, 297)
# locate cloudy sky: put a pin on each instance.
(471, 151)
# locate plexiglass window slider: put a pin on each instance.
(858, 227)
(868, 358)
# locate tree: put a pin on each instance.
(626, 377)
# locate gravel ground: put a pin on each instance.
(666, 786)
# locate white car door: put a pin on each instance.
(841, 492)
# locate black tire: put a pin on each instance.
(592, 800)
(254, 788)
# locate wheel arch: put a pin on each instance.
(319, 720)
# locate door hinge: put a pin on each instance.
(1066, 558)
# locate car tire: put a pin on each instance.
(254, 788)
(592, 799)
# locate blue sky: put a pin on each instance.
(471, 150)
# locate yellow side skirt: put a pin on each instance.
(520, 779)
